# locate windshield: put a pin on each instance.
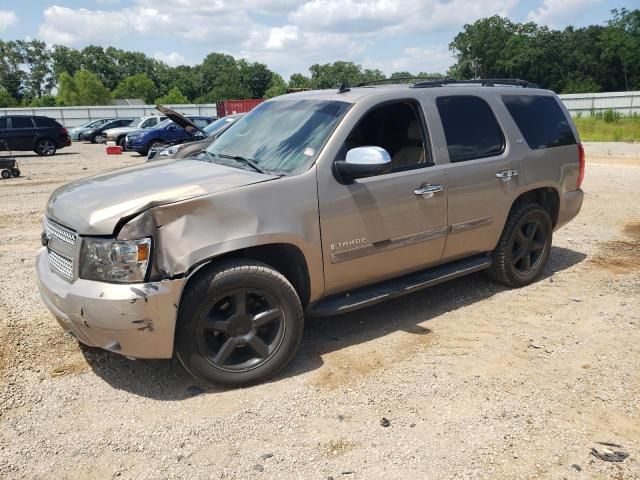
(163, 123)
(215, 127)
(95, 123)
(280, 137)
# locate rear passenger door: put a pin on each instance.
(482, 173)
(22, 135)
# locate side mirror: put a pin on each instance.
(362, 162)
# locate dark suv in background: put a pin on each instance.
(42, 135)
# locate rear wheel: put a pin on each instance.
(46, 147)
(15, 172)
(239, 323)
(524, 246)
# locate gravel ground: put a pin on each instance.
(475, 381)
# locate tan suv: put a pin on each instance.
(315, 203)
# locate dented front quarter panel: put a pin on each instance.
(189, 233)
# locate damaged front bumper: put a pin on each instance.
(135, 320)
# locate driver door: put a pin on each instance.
(387, 225)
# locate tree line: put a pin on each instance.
(589, 59)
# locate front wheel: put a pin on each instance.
(524, 246)
(15, 172)
(239, 323)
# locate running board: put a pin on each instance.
(396, 287)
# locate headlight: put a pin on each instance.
(120, 261)
(132, 137)
(167, 152)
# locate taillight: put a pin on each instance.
(64, 131)
(581, 160)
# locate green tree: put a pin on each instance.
(297, 80)
(6, 100)
(136, 86)
(331, 75)
(621, 43)
(255, 77)
(173, 96)
(84, 88)
(221, 79)
(277, 87)
(11, 74)
(36, 60)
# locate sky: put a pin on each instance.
(287, 35)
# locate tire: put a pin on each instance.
(46, 147)
(5, 174)
(523, 249)
(15, 172)
(121, 140)
(97, 138)
(152, 144)
(216, 345)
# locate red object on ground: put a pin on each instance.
(117, 150)
(229, 107)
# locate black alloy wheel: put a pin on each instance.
(241, 329)
(528, 246)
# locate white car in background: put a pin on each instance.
(118, 134)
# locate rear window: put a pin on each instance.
(21, 122)
(540, 120)
(45, 122)
(470, 128)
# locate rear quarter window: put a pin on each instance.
(470, 128)
(540, 120)
(46, 122)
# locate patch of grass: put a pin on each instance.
(608, 128)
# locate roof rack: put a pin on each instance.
(485, 82)
(393, 80)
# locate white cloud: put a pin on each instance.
(312, 31)
(7, 18)
(171, 58)
(560, 12)
(69, 26)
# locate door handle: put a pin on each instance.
(427, 191)
(506, 175)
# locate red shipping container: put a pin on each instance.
(230, 107)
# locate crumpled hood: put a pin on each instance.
(95, 205)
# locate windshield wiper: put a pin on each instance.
(246, 161)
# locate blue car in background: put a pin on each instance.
(166, 131)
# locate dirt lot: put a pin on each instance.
(476, 381)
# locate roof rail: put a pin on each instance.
(397, 79)
(485, 82)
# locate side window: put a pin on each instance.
(122, 123)
(149, 122)
(470, 127)
(45, 122)
(396, 127)
(541, 120)
(21, 122)
(4, 123)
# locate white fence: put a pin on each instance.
(74, 116)
(626, 103)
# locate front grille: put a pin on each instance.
(62, 264)
(55, 230)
